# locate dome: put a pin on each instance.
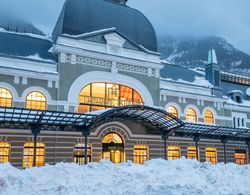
(84, 16)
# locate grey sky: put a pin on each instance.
(227, 18)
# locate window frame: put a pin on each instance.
(141, 153)
(208, 154)
(34, 103)
(209, 119)
(5, 104)
(190, 116)
(176, 152)
(3, 154)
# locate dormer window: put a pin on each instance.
(237, 96)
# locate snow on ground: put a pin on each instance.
(155, 177)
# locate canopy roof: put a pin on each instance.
(160, 121)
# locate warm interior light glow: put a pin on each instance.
(211, 155)
(191, 115)
(140, 154)
(98, 96)
(209, 117)
(173, 152)
(172, 110)
(4, 152)
(36, 101)
(191, 152)
(240, 157)
(28, 154)
(5, 98)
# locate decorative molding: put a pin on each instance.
(11, 89)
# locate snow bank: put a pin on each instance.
(155, 177)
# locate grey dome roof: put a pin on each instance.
(83, 16)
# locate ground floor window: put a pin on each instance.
(240, 157)
(4, 152)
(191, 153)
(173, 152)
(211, 155)
(79, 153)
(28, 154)
(140, 154)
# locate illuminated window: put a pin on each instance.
(191, 152)
(173, 152)
(209, 117)
(112, 138)
(240, 157)
(191, 115)
(172, 110)
(5, 98)
(140, 154)
(36, 101)
(28, 154)
(4, 152)
(98, 96)
(211, 155)
(79, 153)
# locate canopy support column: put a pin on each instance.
(248, 145)
(85, 133)
(196, 139)
(224, 141)
(165, 137)
(35, 129)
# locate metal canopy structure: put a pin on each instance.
(213, 132)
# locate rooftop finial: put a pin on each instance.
(212, 59)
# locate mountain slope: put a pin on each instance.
(192, 52)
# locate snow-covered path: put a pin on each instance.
(155, 177)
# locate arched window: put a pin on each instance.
(172, 110)
(174, 152)
(240, 157)
(191, 153)
(28, 154)
(98, 96)
(5, 98)
(4, 152)
(211, 155)
(209, 117)
(79, 153)
(140, 154)
(36, 101)
(191, 115)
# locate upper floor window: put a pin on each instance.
(36, 101)
(172, 110)
(98, 96)
(4, 152)
(191, 115)
(209, 117)
(5, 98)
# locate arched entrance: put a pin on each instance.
(113, 148)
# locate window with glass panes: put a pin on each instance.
(4, 152)
(5, 98)
(191, 152)
(36, 101)
(98, 96)
(79, 153)
(209, 117)
(28, 154)
(173, 152)
(140, 154)
(211, 155)
(240, 157)
(172, 110)
(191, 115)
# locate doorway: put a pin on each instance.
(113, 148)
